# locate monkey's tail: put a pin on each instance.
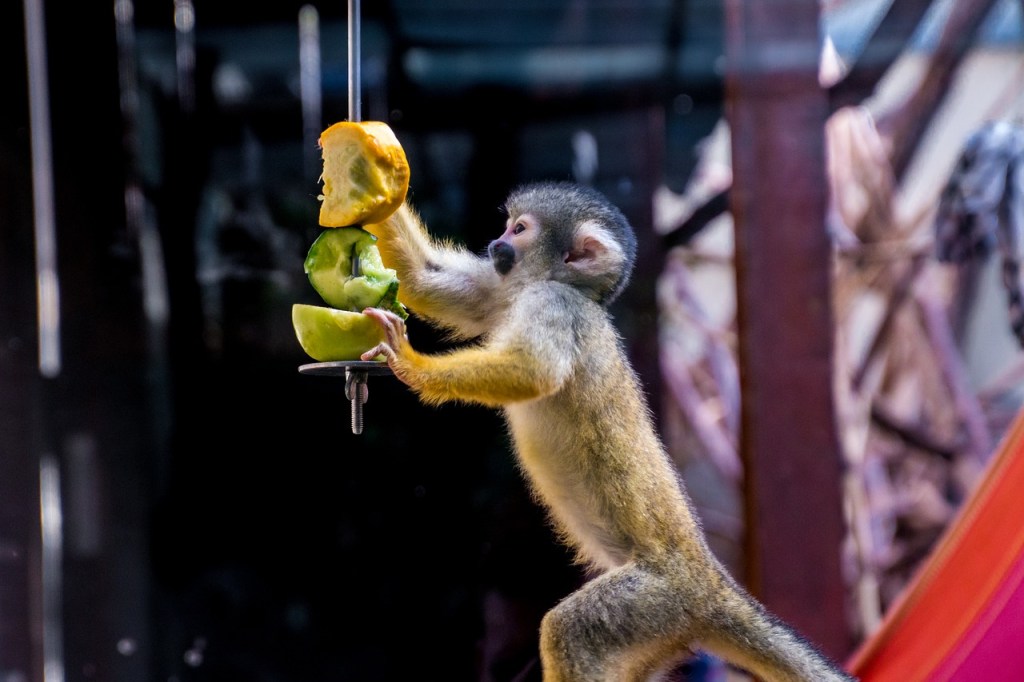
(759, 642)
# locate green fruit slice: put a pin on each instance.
(329, 335)
(329, 267)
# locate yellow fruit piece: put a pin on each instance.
(366, 173)
(330, 335)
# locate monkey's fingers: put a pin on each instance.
(392, 324)
(391, 356)
(381, 348)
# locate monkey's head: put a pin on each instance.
(568, 233)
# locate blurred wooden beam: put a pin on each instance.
(777, 112)
(887, 42)
(906, 125)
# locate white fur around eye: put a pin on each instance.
(526, 220)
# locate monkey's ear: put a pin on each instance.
(596, 256)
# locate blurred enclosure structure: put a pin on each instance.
(824, 315)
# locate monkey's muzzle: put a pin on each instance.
(503, 255)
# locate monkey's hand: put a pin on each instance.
(395, 341)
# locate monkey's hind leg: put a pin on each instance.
(616, 628)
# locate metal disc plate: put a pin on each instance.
(341, 367)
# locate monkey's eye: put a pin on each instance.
(519, 228)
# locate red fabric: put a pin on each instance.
(993, 648)
(962, 617)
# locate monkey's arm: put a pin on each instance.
(511, 367)
(441, 282)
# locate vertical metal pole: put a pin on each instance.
(354, 75)
(47, 282)
(356, 381)
(185, 53)
(48, 315)
(309, 86)
(52, 524)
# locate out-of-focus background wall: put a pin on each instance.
(179, 503)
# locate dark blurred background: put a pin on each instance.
(179, 503)
(218, 519)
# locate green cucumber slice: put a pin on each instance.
(329, 267)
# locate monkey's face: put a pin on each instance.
(520, 233)
(567, 233)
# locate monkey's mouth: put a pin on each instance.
(503, 255)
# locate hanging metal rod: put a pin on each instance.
(354, 74)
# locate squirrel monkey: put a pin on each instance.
(547, 354)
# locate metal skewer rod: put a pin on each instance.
(355, 382)
(354, 75)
